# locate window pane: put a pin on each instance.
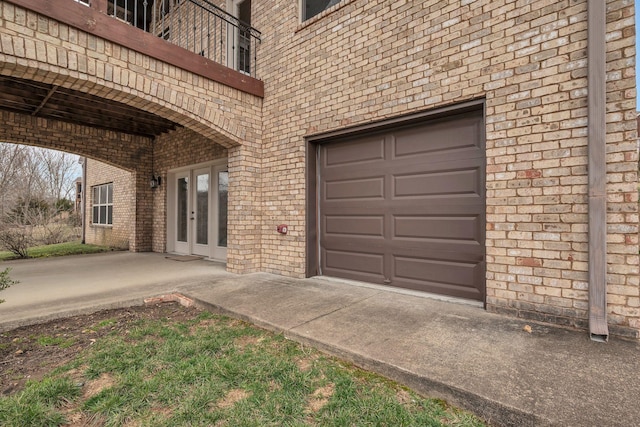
(223, 190)
(314, 7)
(202, 209)
(110, 193)
(95, 215)
(182, 209)
(96, 195)
(103, 194)
(110, 215)
(103, 215)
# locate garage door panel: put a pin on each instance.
(349, 225)
(427, 285)
(369, 264)
(434, 164)
(436, 270)
(451, 183)
(465, 228)
(442, 250)
(442, 137)
(460, 279)
(355, 152)
(468, 204)
(465, 154)
(368, 188)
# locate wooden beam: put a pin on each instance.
(53, 90)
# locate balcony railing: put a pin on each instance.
(196, 25)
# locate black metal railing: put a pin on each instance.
(196, 25)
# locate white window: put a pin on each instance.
(102, 204)
(311, 8)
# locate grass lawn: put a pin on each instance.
(206, 370)
(59, 249)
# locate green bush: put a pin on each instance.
(6, 281)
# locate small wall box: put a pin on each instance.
(282, 229)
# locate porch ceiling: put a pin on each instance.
(57, 103)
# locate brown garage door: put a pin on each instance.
(406, 207)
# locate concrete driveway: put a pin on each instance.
(63, 286)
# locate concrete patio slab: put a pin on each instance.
(508, 371)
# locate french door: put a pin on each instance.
(199, 221)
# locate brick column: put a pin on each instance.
(244, 248)
(142, 231)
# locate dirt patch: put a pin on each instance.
(320, 397)
(306, 363)
(32, 351)
(404, 397)
(234, 396)
(94, 387)
(247, 340)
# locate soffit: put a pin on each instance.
(58, 103)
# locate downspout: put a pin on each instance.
(596, 53)
(83, 199)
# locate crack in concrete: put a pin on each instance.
(333, 311)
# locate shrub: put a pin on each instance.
(6, 281)
(16, 239)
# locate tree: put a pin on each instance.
(29, 211)
(35, 187)
(34, 172)
(59, 170)
(12, 167)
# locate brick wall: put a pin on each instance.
(119, 233)
(363, 61)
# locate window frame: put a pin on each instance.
(102, 205)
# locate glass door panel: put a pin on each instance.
(223, 193)
(183, 209)
(202, 209)
(181, 212)
(201, 212)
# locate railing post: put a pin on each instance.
(99, 6)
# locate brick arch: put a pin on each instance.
(124, 151)
(86, 63)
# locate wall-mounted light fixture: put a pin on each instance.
(155, 181)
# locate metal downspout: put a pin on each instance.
(83, 206)
(598, 329)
